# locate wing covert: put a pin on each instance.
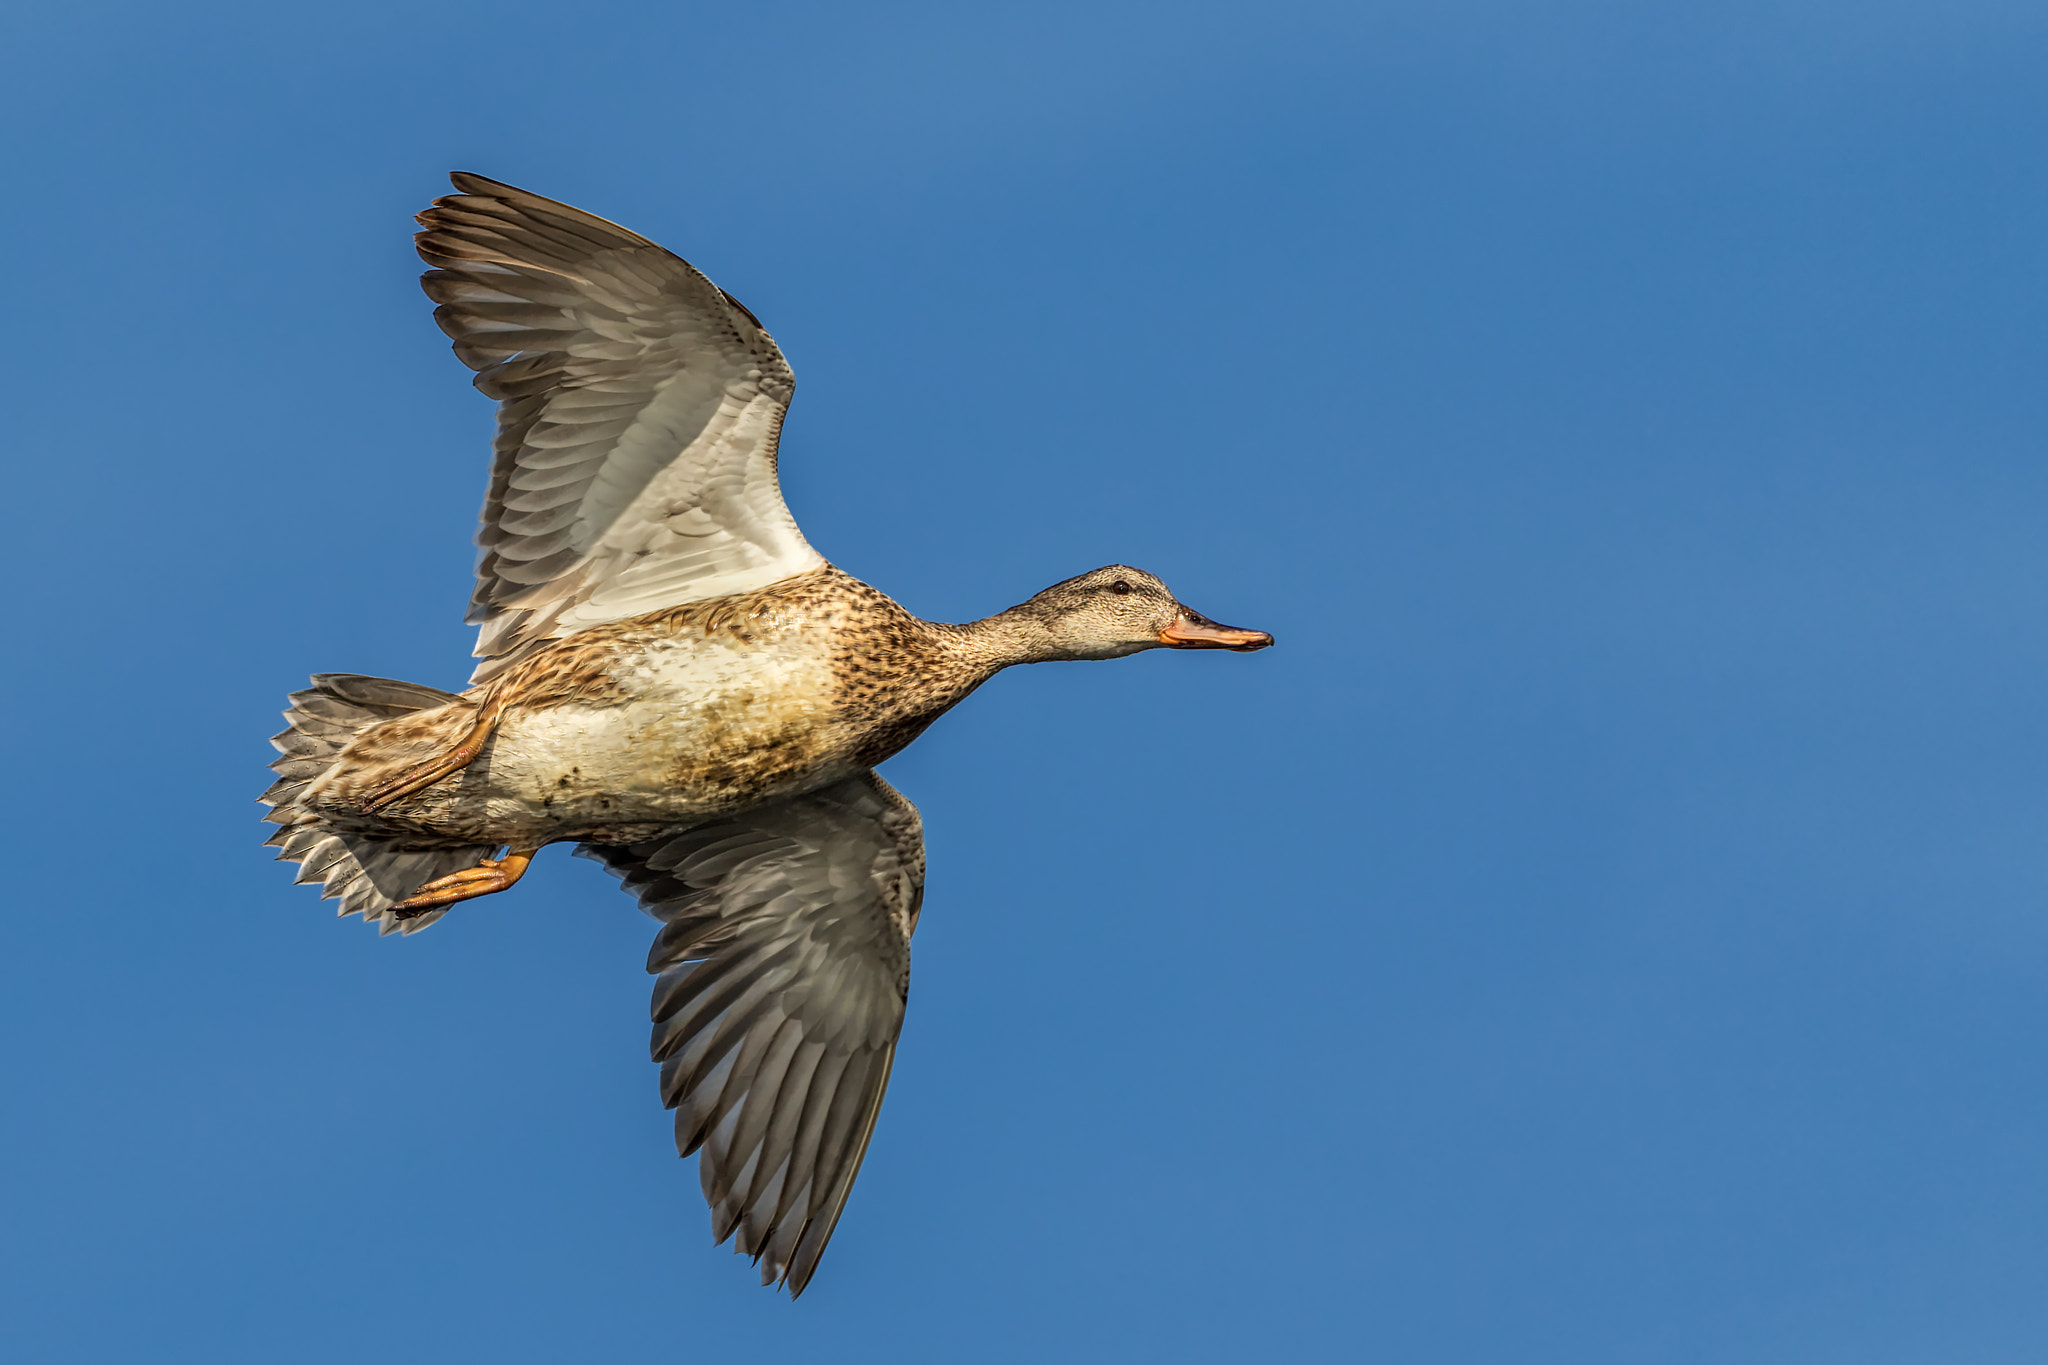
(640, 406)
(781, 975)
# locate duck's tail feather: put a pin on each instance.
(367, 875)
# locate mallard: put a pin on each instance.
(674, 680)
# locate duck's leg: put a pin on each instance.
(486, 878)
(422, 775)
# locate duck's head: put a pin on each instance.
(1120, 610)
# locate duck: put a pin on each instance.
(673, 680)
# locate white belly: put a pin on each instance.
(713, 724)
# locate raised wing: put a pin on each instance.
(783, 968)
(640, 406)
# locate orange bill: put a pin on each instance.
(1195, 631)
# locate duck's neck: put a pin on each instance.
(926, 668)
(992, 644)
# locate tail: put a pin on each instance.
(368, 875)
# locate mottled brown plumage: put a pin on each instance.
(673, 679)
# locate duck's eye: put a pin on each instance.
(1119, 587)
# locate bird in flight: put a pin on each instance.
(675, 681)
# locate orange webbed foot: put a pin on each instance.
(488, 877)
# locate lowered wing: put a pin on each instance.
(782, 970)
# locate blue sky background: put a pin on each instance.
(1611, 927)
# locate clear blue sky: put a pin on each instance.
(1611, 928)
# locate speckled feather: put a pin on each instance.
(880, 675)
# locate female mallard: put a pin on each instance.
(673, 679)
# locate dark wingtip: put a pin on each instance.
(469, 182)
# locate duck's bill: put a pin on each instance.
(1199, 632)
